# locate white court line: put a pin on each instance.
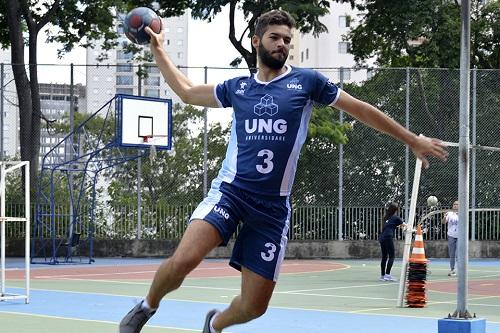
(337, 296)
(275, 307)
(117, 273)
(154, 271)
(95, 321)
(336, 288)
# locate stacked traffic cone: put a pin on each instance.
(417, 273)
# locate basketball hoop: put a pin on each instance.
(146, 138)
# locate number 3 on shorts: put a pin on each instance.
(269, 255)
(267, 165)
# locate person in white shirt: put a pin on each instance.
(451, 218)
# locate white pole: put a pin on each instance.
(2, 222)
(27, 205)
(463, 164)
(409, 230)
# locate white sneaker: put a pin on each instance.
(389, 277)
(382, 278)
(452, 273)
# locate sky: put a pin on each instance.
(205, 42)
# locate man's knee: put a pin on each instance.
(254, 309)
(182, 264)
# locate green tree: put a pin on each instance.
(425, 33)
(73, 23)
(175, 178)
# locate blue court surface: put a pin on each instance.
(72, 297)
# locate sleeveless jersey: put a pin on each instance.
(269, 127)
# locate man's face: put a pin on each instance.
(273, 47)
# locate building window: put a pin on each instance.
(179, 42)
(180, 29)
(124, 80)
(168, 41)
(126, 91)
(151, 69)
(180, 55)
(291, 57)
(302, 56)
(152, 92)
(122, 55)
(345, 75)
(344, 47)
(152, 81)
(307, 54)
(124, 68)
(344, 21)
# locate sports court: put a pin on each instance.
(311, 296)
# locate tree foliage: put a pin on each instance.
(425, 33)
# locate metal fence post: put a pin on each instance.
(71, 143)
(473, 157)
(139, 170)
(407, 149)
(205, 144)
(341, 166)
(1, 110)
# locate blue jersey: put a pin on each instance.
(390, 227)
(269, 127)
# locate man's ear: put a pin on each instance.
(255, 41)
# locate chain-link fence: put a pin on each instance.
(339, 191)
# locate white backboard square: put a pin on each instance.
(144, 116)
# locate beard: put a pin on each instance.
(267, 58)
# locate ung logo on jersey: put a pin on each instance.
(265, 125)
(221, 211)
(294, 84)
(241, 91)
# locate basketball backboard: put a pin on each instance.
(144, 121)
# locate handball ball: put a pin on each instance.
(432, 201)
(135, 22)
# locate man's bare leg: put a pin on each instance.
(256, 293)
(198, 240)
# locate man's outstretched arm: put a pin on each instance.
(373, 117)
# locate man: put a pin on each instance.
(272, 109)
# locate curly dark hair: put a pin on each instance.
(273, 17)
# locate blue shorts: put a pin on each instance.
(261, 242)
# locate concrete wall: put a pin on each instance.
(296, 249)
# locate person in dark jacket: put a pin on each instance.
(390, 222)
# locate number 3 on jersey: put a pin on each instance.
(267, 165)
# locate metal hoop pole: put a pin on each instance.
(478, 147)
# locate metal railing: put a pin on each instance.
(313, 223)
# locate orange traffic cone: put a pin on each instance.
(418, 252)
(417, 273)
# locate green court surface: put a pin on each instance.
(311, 295)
